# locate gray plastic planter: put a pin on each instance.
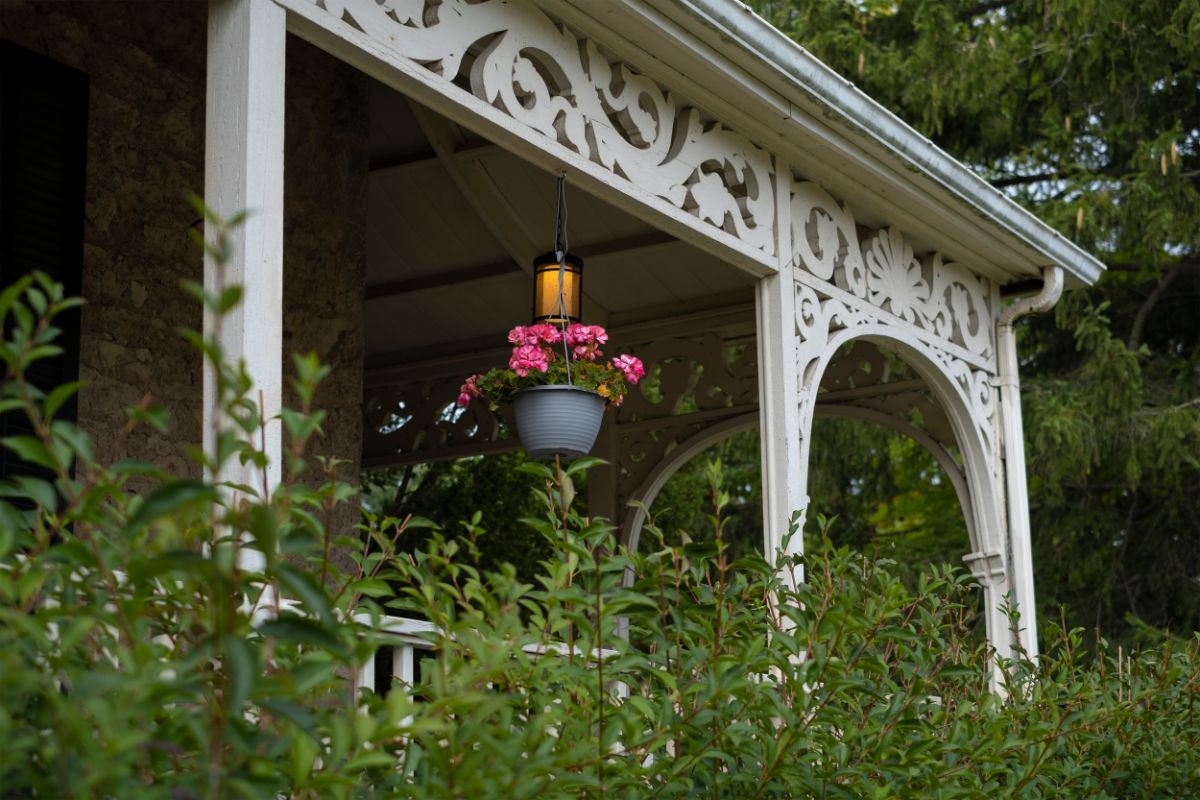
(557, 420)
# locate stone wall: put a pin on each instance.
(146, 63)
(324, 243)
(145, 154)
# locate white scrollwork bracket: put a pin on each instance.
(514, 57)
(939, 298)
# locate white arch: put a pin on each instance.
(989, 559)
(975, 484)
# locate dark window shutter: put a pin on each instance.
(43, 152)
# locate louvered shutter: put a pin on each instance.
(43, 151)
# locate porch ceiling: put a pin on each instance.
(453, 223)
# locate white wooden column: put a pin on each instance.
(778, 385)
(1012, 434)
(243, 169)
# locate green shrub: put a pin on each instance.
(140, 656)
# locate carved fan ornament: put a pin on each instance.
(942, 299)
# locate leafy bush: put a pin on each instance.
(143, 655)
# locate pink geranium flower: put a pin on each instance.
(630, 366)
(528, 357)
(547, 333)
(534, 334)
(585, 341)
(580, 334)
(469, 390)
(539, 347)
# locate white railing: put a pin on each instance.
(408, 637)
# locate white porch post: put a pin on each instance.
(778, 384)
(243, 169)
(1013, 435)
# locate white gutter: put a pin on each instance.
(1012, 429)
(737, 24)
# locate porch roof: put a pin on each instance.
(819, 103)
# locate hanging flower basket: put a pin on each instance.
(558, 384)
(557, 420)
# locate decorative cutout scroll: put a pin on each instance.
(512, 56)
(690, 385)
(944, 299)
(686, 375)
(410, 421)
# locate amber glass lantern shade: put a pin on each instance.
(546, 294)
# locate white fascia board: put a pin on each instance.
(733, 29)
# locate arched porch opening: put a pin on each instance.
(870, 401)
(956, 425)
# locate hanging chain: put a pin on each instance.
(560, 252)
(561, 245)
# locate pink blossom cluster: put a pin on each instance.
(585, 341)
(529, 357)
(533, 335)
(630, 366)
(469, 390)
(536, 347)
(532, 351)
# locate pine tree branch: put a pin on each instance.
(1184, 267)
(1143, 313)
(1110, 170)
(1022, 180)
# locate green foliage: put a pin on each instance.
(493, 490)
(143, 655)
(498, 384)
(684, 505)
(1086, 112)
(887, 493)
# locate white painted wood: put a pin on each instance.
(1012, 434)
(784, 465)
(582, 100)
(931, 294)
(401, 59)
(243, 156)
(402, 664)
(966, 394)
(829, 129)
(830, 138)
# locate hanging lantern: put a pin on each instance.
(557, 288)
